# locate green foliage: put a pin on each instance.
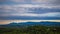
(31, 30)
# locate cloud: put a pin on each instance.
(31, 6)
(24, 10)
(56, 14)
(12, 9)
(41, 1)
(44, 2)
(47, 2)
(3, 0)
(18, 0)
(40, 15)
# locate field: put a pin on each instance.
(30, 30)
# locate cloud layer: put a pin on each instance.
(47, 2)
(38, 1)
(29, 8)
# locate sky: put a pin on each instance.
(29, 9)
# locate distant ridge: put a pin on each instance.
(23, 24)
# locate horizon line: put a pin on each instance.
(17, 21)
